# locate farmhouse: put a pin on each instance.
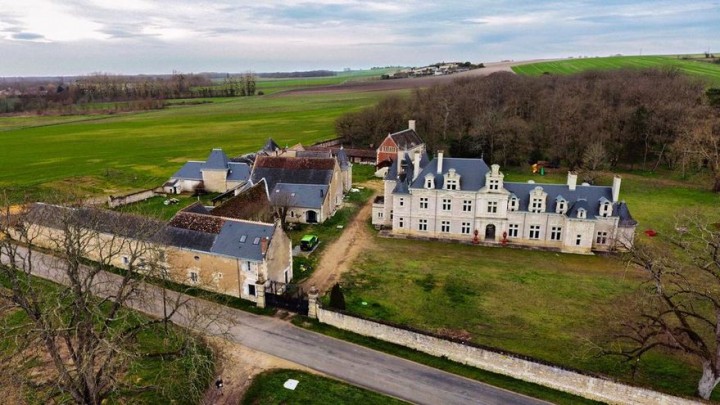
(395, 144)
(229, 256)
(217, 174)
(311, 188)
(465, 200)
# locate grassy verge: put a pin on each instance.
(497, 380)
(267, 388)
(152, 376)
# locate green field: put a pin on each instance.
(113, 153)
(267, 388)
(708, 71)
(270, 86)
(546, 305)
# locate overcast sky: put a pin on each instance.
(69, 37)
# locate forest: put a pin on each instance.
(635, 119)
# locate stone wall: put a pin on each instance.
(595, 388)
(114, 202)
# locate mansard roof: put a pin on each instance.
(472, 172)
(588, 197)
(406, 139)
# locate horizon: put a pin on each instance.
(39, 38)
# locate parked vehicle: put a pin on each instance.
(308, 242)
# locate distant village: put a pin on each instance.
(437, 69)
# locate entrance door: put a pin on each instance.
(490, 232)
(311, 217)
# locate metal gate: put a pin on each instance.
(287, 296)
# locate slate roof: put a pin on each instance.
(196, 207)
(471, 171)
(406, 139)
(217, 160)
(242, 239)
(342, 158)
(270, 146)
(587, 197)
(300, 195)
(313, 154)
(621, 210)
(192, 170)
(280, 169)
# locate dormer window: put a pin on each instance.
(494, 179)
(430, 181)
(537, 200)
(561, 205)
(514, 203)
(493, 185)
(582, 213)
(605, 208)
(452, 180)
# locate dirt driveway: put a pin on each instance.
(339, 255)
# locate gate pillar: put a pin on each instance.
(312, 302)
(260, 293)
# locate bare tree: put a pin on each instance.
(84, 328)
(282, 201)
(678, 308)
(701, 146)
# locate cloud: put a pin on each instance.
(155, 36)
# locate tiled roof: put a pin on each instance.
(197, 222)
(251, 204)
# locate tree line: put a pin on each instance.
(135, 92)
(634, 118)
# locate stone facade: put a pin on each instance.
(594, 388)
(463, 199)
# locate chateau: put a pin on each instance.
(465, 200)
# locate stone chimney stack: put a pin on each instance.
(616, 188)
(411, 124)
(440, 162)
(416, 165)
(264, 243)
(572, 181)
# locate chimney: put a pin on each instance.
(572, 181)
(616, 188)
(439, 161)
(264, 243)
(416, 165)
(411, 124)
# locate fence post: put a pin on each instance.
(312, 302)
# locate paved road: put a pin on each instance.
(342, 360)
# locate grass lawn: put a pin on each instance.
(155, 207)
(708, 71)
(111, 154)
(267, 388)
(546, 305)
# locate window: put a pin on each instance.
(125, 260)
(536, 205)
(582, 214)
(256, 241)
(578, 240)
(197, 258)
(601, 238)
(606, 210)
(194, 277)
(465, 228)
(513, 230)
(401, 202)
(251, 289)
(561, 207)
(534, 231)
(555, 233)
(248, 266)
(401, 222)
(446, 204)
(492, 207)
(380, 215)
(513, 204)
(429, 182)
(445, 226)
(391, 214)
(467, 205)
(494, 185)
(422, 225)
(451, 184)
(423, 203)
